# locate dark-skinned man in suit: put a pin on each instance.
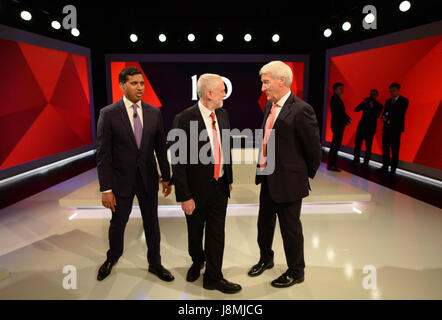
(129, 131)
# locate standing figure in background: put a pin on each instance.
(339, 119)
(394, 124)
(371, 110)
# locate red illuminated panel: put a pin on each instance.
(44, 107)
(417, 66)
(149, 96)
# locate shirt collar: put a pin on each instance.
(129, 103)
(204, 111)
(282, 101)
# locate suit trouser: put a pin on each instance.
(149, 212)
(361, 135)
(291, 230)
(335, 146)
(212, 216)
(391, 140)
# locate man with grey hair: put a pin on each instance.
(297, 155)
(203, 188)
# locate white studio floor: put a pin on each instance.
(399, 236)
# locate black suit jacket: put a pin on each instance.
(370, 115)
(193, 180)
(118, 157)
(395, 114)
(339, 118)
(298, 150)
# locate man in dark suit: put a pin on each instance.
(371, 110)
(296, 154)
(394, 125)
(128, 133)
(203, 180)
(339, 119)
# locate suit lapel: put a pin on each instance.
(126, 122)
(285, 111)
(146, 119)
(221, 124)
(266, 115)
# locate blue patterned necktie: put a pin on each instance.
(138, 127)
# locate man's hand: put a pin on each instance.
(188, 206)
(166, 188)
(230, 187)
(108, 200)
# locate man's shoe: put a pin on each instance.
(105, 269)
(194, 272)
(161, 273)
(222, 285)
(286, 280)
(333, 168)
(260, 267)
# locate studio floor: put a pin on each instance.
(391, 233)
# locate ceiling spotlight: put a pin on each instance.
(162, 37)
(369, 18)
(219, 37)
(405, 6)
(191, 37)
(133, 37)
(26, 15)
(327, 33)
(346, 26)
(275, 37)
(55, 24)
(248, 37)
(75, 32)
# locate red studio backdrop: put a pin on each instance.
(44, 102)
(417, 66)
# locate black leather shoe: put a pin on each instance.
(222, 285)
(333, 168)
(260, 267)
(194, 271)
(162, 273)
(287, 280)
(105, 269)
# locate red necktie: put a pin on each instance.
(268, 129)
(216, 146)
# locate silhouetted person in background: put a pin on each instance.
(394, 120)
(371, 110)
(339, 119)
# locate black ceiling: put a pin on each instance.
(106, 26)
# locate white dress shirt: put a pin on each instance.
(208, 122)
(130, 112)
(280, 104)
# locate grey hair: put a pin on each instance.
(278, 69)
(205, 82)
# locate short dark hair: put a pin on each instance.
(374, 90)
(337, 85)
(128, 71)
(395, 85)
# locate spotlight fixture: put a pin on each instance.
(75, 32)
(133, 37)
(275, 37)
(191, 37)
(346, 26)
(369, 18)
(162, 37)
(55, 24)
(405, 6)
(248, 37)
(26, 15)
(327, 33)
(219, 37)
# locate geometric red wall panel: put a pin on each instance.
(417, 66)
(44, 102)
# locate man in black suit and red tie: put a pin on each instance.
(128, 133)
(339, 119)
(203, 185)
(394, 125)
(296, 154)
